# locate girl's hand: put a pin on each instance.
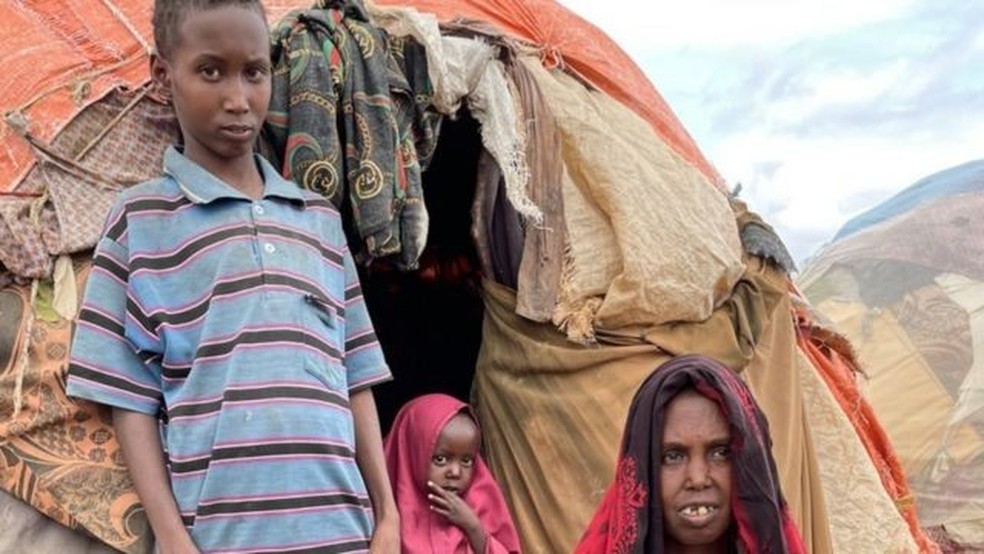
(458, 512)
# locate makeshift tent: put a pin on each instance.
(905, 281)
(575, 239)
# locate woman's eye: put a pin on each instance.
(209, 72)
(467, 461)
(671, 457)
(721, 453)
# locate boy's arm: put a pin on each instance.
(140, 442)
(372, 465)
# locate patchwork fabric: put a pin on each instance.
(57, 454)
(60, 206)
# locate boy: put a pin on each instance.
(223, 300)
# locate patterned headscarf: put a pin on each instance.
(630, 517)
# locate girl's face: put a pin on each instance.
(452, 464)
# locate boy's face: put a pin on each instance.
(218, 75)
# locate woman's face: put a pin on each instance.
(695, 474)
(452, 465)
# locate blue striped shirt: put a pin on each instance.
(242, 324)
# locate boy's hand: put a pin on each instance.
(451, 506)
(386, 537)
(179, 544)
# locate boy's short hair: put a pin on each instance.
(169, 14)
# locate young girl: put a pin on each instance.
(447, 498)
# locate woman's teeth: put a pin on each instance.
(692, 511)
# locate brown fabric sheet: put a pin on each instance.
(543, 249)
(552, 413)
(553, 410)
(60, 455)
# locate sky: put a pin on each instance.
(820, 109)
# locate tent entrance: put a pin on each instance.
(429, 321)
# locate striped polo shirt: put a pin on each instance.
(241, 324)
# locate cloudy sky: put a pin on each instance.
(820, 109)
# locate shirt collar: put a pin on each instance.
(201, 187)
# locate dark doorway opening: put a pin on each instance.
(429, 321)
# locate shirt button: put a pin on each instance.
(258, 209)
(270, 249)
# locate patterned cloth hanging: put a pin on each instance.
(350, 117)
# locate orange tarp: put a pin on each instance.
(57, 58)
(60, 56)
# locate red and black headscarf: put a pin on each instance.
(630, 517)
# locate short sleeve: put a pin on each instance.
(365, 365)
(106, 365)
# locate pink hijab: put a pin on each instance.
(409, 447)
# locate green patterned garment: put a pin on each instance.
(351, 115)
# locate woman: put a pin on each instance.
(695, 473)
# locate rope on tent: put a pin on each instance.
(109, 126)
(91, 76)
(25, 350)
(121, 17)
(551, 57)
(45, 154)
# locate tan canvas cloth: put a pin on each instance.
(552, 414)
(966, 524)
(863, 518)
(906, 286)
(772, 377)
(651, 240)
(894, 367)
(937, 434)
(543, 399)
